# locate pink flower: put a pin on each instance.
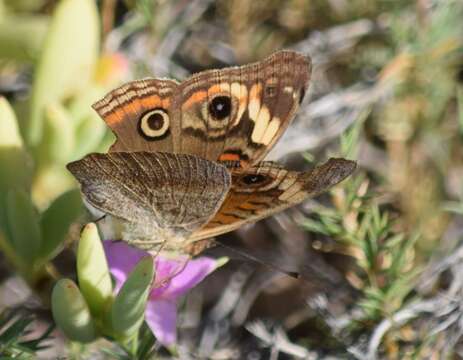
(173, 278)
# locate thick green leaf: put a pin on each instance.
(92, 269)
(58, 136)
(56, 220)
(71, 312)
(67, 63)
(23, 225)
(21, 37)
(49, 183)
(90, 129)
(127, 312)
(89, 135)
(25, 5)
(15, 164)
(80, 106)
(7, 250)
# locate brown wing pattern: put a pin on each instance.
(234, 116)
(156, 196)
(267, 188)
(238, 113)
(140, 115)
(234, 113)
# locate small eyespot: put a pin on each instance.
(220, 107)
(271, 90)
(154, 124)
(254, 179)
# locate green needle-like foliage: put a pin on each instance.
(14, 328)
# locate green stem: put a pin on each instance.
(131, 344)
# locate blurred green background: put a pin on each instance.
(380, 254)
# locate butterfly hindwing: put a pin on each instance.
(267, 188)
(155, 196)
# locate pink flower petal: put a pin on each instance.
(184, 275)
(173, 278)
(161, 317)
(122, 258)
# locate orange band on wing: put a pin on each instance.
(229, 157)
(148, 103)
(195, 98)
(200, 96)
(134, 107)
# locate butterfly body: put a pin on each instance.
(187, 162)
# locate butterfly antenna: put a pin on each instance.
(99, 219)
(293, 274)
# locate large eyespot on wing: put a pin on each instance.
(220, 107)
(140, 115)
(154, 125)
(208, 107)
(268, 188)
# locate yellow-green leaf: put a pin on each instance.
(21, 37)
(92, 269)
(15, 164)
(57, 219)
(71, 312)
(89, 135)
(67, 63)
(127, 312)
(58, 137)
(23, 225)
(25, 5)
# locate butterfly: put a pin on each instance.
(187, 163)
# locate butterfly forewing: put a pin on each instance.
(140, 115)
(156, 197)
(238, 113)
(235, 113)
(267, 188)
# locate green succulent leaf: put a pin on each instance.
(57, 219)
(127, 312)
(21, 37)
(66, 66)
(92, 269)
(58, 136)
(71, 312)
(15, 164)
(25, 5)
(80, 106)
(89, 135)
(2, 10)
(23, 226)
